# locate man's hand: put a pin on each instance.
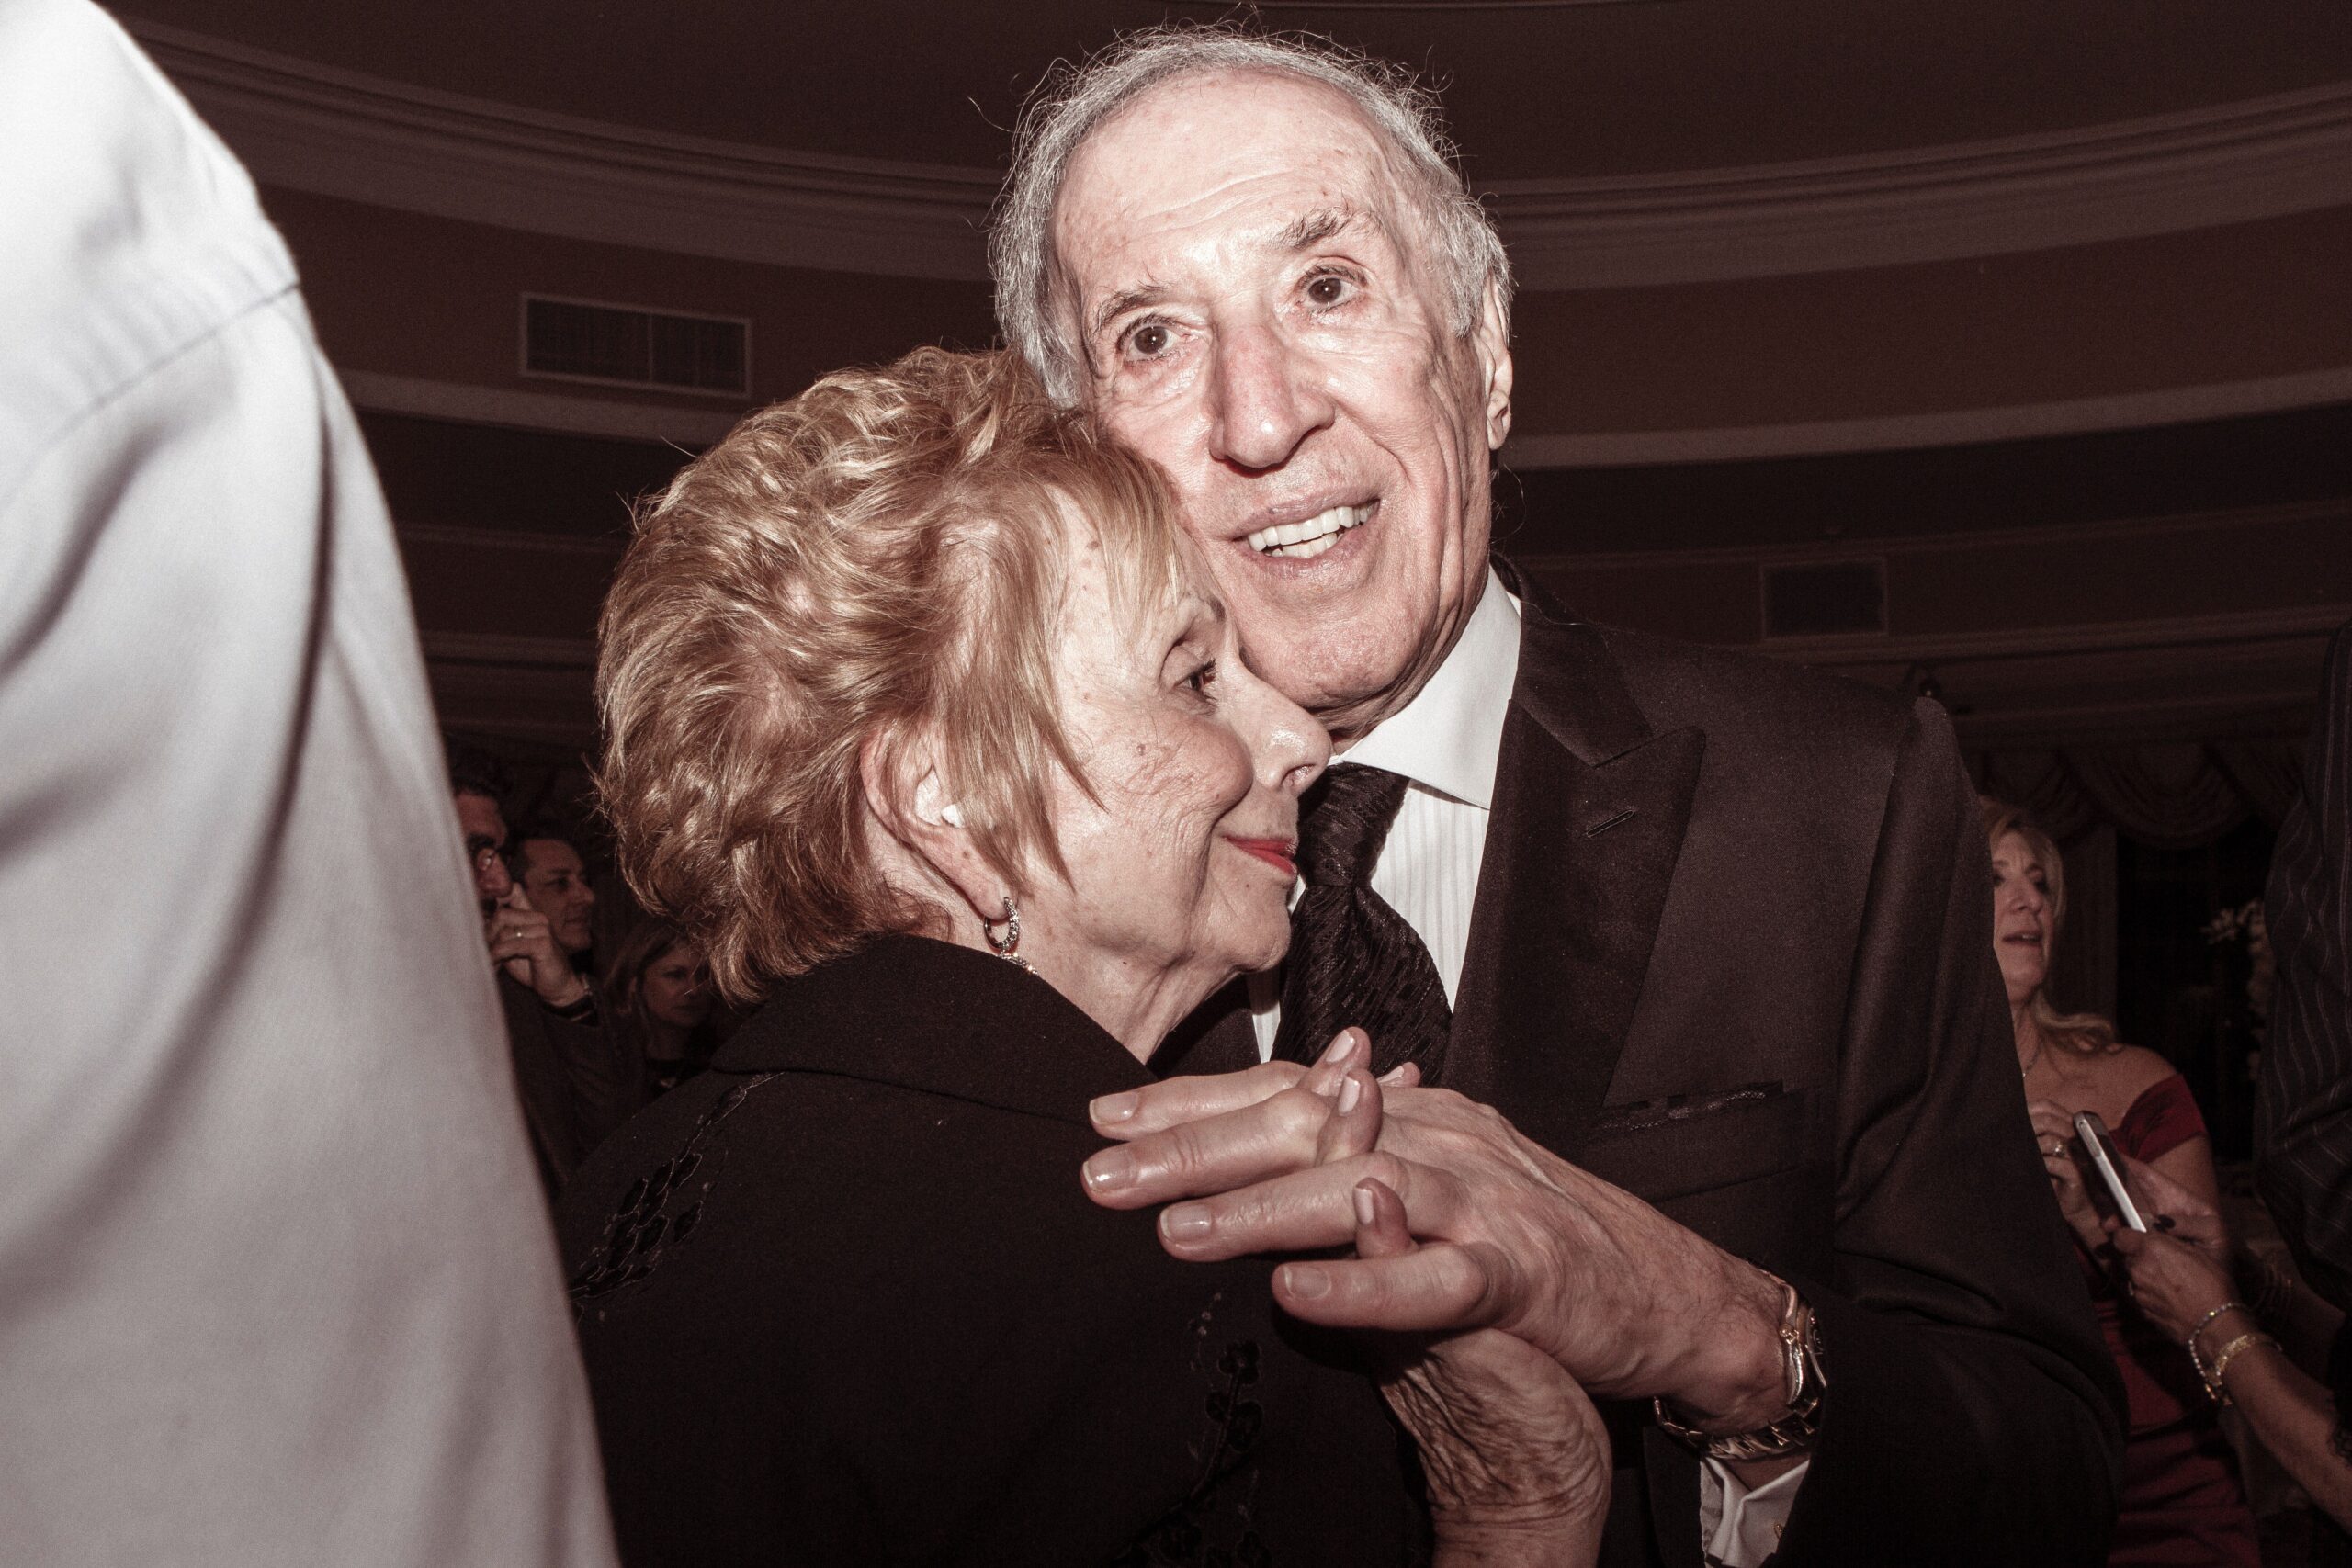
(522, 939)
(1630, 1303)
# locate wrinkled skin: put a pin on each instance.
(1270, 330)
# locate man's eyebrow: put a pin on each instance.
(1119, 304)
(1311, 229)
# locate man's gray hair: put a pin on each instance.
(1074, 100)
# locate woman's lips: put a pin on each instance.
(1275, 852)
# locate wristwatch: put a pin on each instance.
(1805, 1381)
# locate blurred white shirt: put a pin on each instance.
(277, 1284)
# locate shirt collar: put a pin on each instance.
(1447, 738)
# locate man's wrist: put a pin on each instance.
(1739, 1382)
(573, 998)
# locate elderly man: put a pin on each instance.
(1709, 931)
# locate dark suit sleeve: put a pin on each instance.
(2303, 1134)
(604, 1069)
(1974, 1415)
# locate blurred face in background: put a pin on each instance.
(675, 989)
(485, 833)
(2022, 922)
(556, 881)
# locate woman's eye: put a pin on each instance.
(1149, 341)
(1200, 679)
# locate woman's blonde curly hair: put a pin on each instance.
(876, 560)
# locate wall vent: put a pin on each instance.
(1825, 598)
(627, 345)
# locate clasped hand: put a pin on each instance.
(1512, 1237)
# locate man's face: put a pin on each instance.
(555, 882)
(1260, 313)
(486, 831)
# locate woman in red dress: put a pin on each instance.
(2181, 1503)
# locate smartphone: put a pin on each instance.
(2109, 1162)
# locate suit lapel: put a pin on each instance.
(1590, 813)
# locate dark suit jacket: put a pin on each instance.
(577, 1080)
(1732, 950)
(2303, 1136)
(842, 1301)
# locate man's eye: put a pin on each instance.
(1149, 341)
(1325, 288)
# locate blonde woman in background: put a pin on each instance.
(2181, 1503)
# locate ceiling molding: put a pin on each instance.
(505, 652)
(1953, 427)
(564, 413)
(332, 132)
(607, 547)
(2286, 622)
(2116, 531)
(2230, 163)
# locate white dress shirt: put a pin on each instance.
(1447, 743)
(277, 1284)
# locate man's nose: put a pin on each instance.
(490, 876)
(1266, 399)
(1290, 746)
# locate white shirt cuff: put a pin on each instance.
(1739, 1528)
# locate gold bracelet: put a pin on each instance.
(2229, 1353)
(2209, 1317)
(1803, 1379)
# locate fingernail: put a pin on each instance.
(1351, 1093)
(1365, 1211)
(1393, 1076)
(1305, 1281)
(1340, 1050)
(1110, 1170)
(1113, 1109)
(1186, 1222)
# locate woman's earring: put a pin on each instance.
(1008, 946)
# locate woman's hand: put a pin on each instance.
(1515, 1458)
(2174, 1283)
(2053, 1136)
(2193, 1220)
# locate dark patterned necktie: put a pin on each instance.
(1353, 958)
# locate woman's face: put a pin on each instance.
(674, 988)
(1182, 863)
(2022, 930)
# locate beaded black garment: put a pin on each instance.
(660, 1209)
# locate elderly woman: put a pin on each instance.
(2181, 1502)
(925, 725)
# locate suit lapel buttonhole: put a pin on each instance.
(1612, 820)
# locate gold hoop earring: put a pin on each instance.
(1008, 946)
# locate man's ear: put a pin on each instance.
(910, 802)
(1492, 339)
